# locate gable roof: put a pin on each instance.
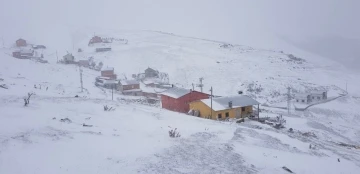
(176, 92)
(222, 103)
(20, 39)
(107, 69)
(129, 82)
(302, 95)
(150, 69)
(318, 92)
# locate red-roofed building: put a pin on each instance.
(21, 43)
(95, 39)
(178, 99)
(108, 72)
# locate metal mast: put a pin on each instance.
(201, 85)
(288, 100)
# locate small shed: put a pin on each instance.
(84, 63)
(21, 43)
(69, 58)
(103, 49)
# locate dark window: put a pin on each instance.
(219, 115)
(226, 114)
(303, 101)
(243, 109)
(297, 100)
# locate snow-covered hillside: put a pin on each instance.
(227, 68)
(134, 138)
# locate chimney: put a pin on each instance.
(230, 104)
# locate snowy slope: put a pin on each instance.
(134, 138)
(228, 70)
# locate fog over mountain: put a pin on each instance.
(329, 28)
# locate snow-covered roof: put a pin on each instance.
(302, 95)
(133, 90)
(318, 92)
(102, 77)
(26, 51)
(111, 82)
(222, 103)
(176, 92)
(152, 80)
(107, 69)
(129, 82)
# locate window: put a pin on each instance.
(243, 109)
(226, 114)
(297, 100)
(219, 116)
(303, 101)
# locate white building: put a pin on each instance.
(313, 96)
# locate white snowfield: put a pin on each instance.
(134, 137)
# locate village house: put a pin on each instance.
(178, 99)
(95, 39)
(149, 72)
(238, 106)
(313, 96)
(68, 58)
(21, 43)
(23, 54)
(303, 98)
(108, 83)
(130, 87)
(318, 95)
(108, 72)
(83, 63)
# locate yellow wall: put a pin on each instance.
(205, 110)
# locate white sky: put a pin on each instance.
(260, 23)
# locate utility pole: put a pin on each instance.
(201, 85)
(346, 86)
(193, 86)
(81, 80)
(57, 58)
(211, 96)
(288, 100)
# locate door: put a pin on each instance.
(238, 113)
